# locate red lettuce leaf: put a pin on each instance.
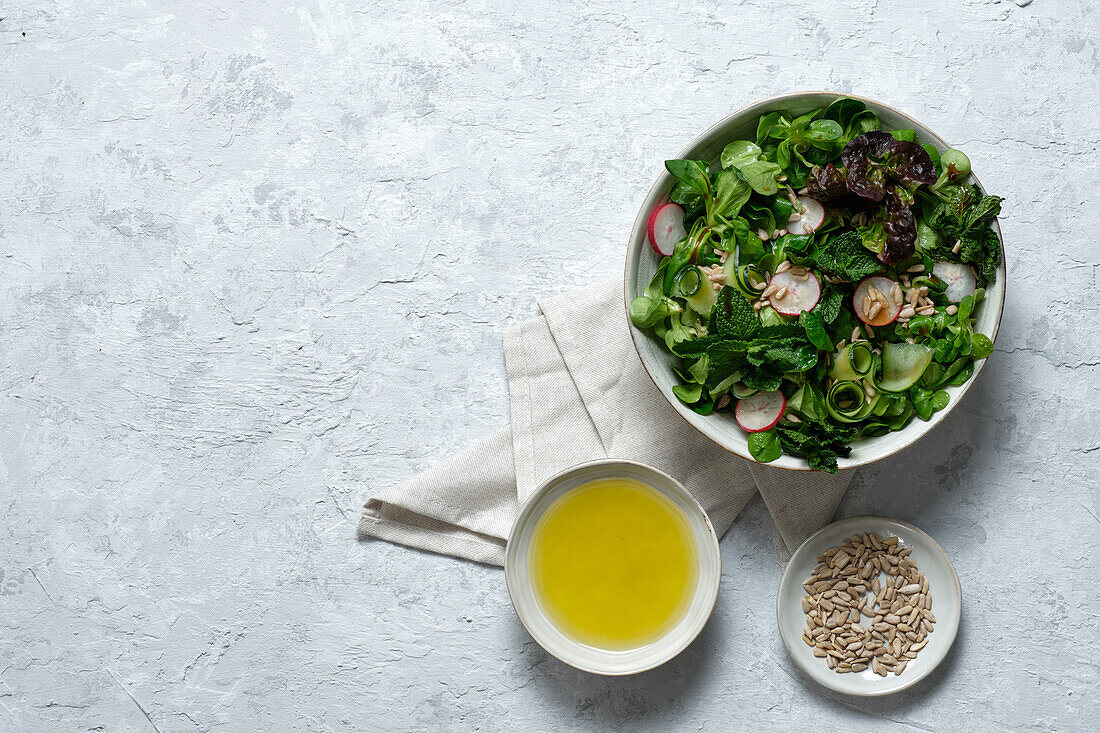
(828, 184)
(876, 159)
(901, 228)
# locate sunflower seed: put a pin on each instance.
(837, 603)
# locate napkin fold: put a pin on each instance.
(579, 392)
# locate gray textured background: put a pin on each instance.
(256, 258)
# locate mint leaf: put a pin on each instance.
(982, 212)
(964, 214)
(764, 379)
(982, 248)
(695, 347)
(819, 443)
(780, 331)
(726, 358)
(846, 257)
(785, 355)
(733, 317)
(829, 305)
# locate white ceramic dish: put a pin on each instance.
(943, 584)
(642, 261)
(574, 653)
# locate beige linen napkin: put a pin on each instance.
(579, 392)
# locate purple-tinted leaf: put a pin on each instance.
(910, 162)
(901, 228)
(865, 177)
(876, 159)
(828, 184)
(879, 143)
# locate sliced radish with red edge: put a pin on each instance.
(960, 279)
(761, 411)
(812, 217)
(888, 313)
(666, 228)
(801, 295)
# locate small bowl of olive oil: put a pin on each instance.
(613, 567)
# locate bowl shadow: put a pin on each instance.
(606, 702)
(890, 708)
(922, 480)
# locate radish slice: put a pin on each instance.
(959, 278)
(761, 411)
(888, 312)
(812, 217)
(666, 228)
(801, 295)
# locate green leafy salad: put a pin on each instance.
(820, 281)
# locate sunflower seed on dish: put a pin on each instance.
(870, 577)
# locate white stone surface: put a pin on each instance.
(256, 258)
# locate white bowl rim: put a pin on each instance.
(951, 630)
(794, 463)
(711, 598)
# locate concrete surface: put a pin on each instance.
(255, 257)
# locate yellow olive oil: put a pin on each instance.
(614, 564)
